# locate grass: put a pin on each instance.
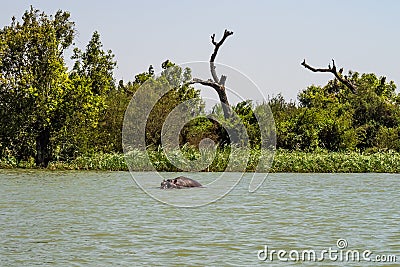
(283, 161)
(388, 162)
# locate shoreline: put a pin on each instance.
(283, 162)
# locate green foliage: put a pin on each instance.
(334, 118)
(245, 111)
(324, 161)
(199, 129)
(107, 135)
(320, 161)
(142, 77)
(46, 112)
(33, 82)
(175, 79)
(95, 65)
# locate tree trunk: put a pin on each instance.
(217, 84)
(42, 148)
(224, 101)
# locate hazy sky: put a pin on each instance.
(270, 39)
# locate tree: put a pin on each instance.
(285, 114)
(96, 65)
(44, 110)
(175, 78)
(356, 109)
(156, 97)
(218, 84)
(245, 111)
(33, 80)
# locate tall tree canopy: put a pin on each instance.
(39, 101)
(335, 118)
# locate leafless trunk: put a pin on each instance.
(217, 84)
(333, 70)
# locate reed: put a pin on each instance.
(343, 162)
(260, 161)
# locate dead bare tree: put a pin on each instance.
(333, 70)
(217, 84)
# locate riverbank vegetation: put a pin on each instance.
(59, 118)
(284, 161)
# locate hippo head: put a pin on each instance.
(166, 184)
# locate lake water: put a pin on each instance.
(104, 219)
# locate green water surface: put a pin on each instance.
(104, 219)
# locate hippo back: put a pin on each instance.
(182, 181)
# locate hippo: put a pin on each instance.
(179, 183)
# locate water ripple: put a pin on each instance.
(103, 219)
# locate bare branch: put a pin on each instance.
(208, 83)
(220, 89)
(217, 84)
(222, 80)
(332, 70)
(314, 69)
(214, 54)
(213, 39)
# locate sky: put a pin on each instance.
(270, 40)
